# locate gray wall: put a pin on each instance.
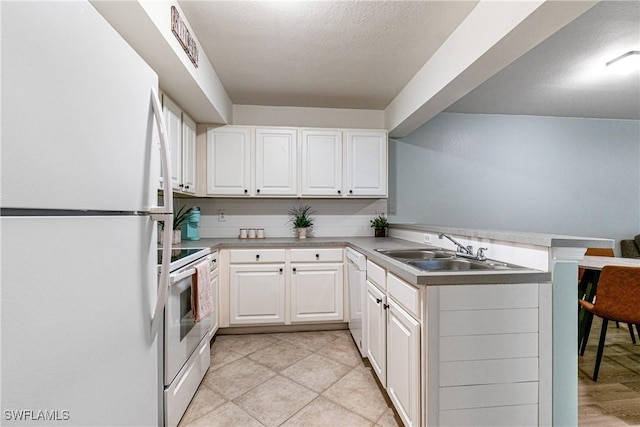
(541, 174)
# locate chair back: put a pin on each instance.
(595, 252)
(599, 252)
(618, 294)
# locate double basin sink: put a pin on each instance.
(443, 260)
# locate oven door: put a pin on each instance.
(182, 334)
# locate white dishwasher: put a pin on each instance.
(357, 282)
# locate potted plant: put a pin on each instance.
(180, 216)
(301, 220)
(380, 224)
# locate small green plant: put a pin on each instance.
(180, 217)
(301, 216)
(379, 222)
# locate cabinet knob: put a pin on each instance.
(258, 257)
(280, 270)
(294, 269)
(350, 191)
(317, 256)
(378, 300)
(339, 192)
(258, 190)
(186, 186)
(385, 306)
(181, 186)
(245, 191)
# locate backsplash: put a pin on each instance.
(343, 217)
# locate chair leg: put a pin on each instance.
(587, 330)
(633, 336)
(603, 334)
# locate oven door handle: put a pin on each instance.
(182, 275)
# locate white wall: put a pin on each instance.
(344, 217)
(541, 174)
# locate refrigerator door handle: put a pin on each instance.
(163, 213)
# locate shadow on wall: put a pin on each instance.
(529, 173)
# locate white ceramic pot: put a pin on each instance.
(302, 233)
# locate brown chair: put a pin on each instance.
(617, 299)
(595, 252)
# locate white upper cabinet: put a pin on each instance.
(188, 155)
(181, 134)
(321, 170)
(366, 166)
(276, 162)
(173, 124)
(229, 161)
(296, 162)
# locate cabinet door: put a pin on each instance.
(366, 163)
(173, 123)
(321, 163)
(228, 161)
(276, 162)
(317, 292)
(403, 363)
(215, 316)
(256, 294)
(188, 155)
(377, 332)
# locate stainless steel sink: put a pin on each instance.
(411, 254)
(451, 264)
(443, 260)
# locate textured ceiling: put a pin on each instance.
(565, 75)
(349, 54)
(339, 54)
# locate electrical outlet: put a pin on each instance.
(392, 208)
(427, 238)
(221, 216)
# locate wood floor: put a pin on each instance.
(614, 400)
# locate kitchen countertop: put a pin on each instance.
(368, 246)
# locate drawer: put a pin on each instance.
(405, 294)
(256, 255)
(376, 275)
(317, 255)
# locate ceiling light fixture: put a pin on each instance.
(627, 62)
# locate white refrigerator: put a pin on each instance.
(80, 167)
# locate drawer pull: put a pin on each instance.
(378, 300)
(385, 306)
(294, 269)
(258, 257)
(318, 256)
(280, 270)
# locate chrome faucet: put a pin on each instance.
(465, 251)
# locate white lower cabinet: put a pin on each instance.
(394, 346)
(377, 332)
(256, 294)
(284, 286)
(316, 292)
(403, 363)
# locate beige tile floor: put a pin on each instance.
(318, 379)
(614, 400)
(288, 379)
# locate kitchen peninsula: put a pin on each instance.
(481, 345)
